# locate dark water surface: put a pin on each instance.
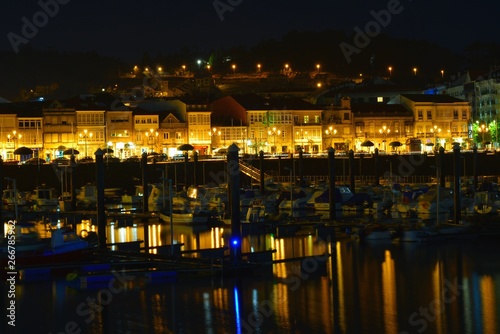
(377, 287)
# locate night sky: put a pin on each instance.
(126, 29)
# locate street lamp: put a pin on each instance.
(273, 133)
(384, 131)
(442, 74)
(482, 129)
(318, 67)
(212, 134)
(151, 135)
(415, 71)
(435, 130)
(14, 137)
(300, 139)
(390, 71)
(234, 69)
(85, 135)
(258, 67)
(331, 132)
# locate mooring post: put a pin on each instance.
(376, 161)
(2, 230)
(144, 175)
(73, 181)
(261, 172)
(442, 175)
(233, 171)
(351, 171)
(474, 167)
(101, 215)
(186, 161)
(301, 169)
(195, 169)
(331, 181)
(456, 183)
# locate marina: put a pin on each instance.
(226, 234)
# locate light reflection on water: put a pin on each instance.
(378, 287)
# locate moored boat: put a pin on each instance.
(31, 249)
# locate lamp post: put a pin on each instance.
(482, 129)
(85, 135)
(273, 133)
(234, 69)
(384, 131)
(331, 132)
(151, 135)
(415, 71)
(259, 67)
(14, 137)
(390, 71)
(212, 134)
(435, 130)
(318, 66)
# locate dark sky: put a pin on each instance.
(127, 28)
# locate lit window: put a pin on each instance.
(380, 99)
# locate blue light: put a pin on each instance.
(235, 242)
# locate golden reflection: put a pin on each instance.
(216, 237)
(160, 324)
(340, 280)
(326, 319)
(389, 293)
(309, 245)
(122, 234)
(279, 245)
(488, 303)
(437, 303)
(281, 302)
(112, 238)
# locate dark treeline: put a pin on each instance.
(63, 74)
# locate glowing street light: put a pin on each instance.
(442, 74)
(318, 67)
(213, 135)
(85, 136)
(151, 135)
(273, 133)
(234, 69)
(331, 132)
(415, 71)
(390, 71)
(259, 67)
(14, 137)
(482, 129)
(384, 131)
(435, 130)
